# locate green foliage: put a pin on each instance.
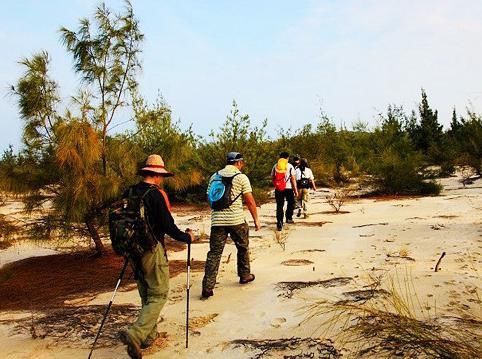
(427, 134)
(105, 55)
(328, 150)
(262, 195)
(429, 131)
(75, 161)
(394, 162)
(237, 134)
(157, 133)
(37, 99)
(71, 160)
(469, 142)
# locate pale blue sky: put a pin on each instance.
(280, 60)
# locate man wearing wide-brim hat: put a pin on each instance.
(152, 271)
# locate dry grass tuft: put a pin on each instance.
(403, 252)
(396, 324)
(200, 322)
(281, 237)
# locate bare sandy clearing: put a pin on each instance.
(354, 257)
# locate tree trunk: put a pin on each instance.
(94, 234)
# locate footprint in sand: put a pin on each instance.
(296, 262)
(278, 322)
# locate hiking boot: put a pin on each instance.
(290, 221)
(206, 293)
(246, 279)
(148, 342)
(133, 348)
(279, 226)
(299, 213)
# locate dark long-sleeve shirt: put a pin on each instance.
(158, 213)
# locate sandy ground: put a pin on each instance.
(399, 239)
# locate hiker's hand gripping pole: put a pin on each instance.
(108, 307)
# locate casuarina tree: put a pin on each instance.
(80, 166)
(427, 135)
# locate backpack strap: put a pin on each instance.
(168, 204)
(289, 176)
(166, 199)
(240, 193)
(162, 192)
(141, 205)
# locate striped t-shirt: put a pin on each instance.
(234, 214)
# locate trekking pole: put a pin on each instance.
(108, 307)
(187, 299)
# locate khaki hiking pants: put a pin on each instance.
(305, 198)
(153, 286)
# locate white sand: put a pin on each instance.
(419, 228)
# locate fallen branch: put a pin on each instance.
(400, 257)
(438, 262)
(75, 325)
(288, 288)
(371, 224)
(296, 348)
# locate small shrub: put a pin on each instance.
(466, 173)
(429, 188)
(339, 198)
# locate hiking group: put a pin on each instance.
(141, 219)
(291, 181)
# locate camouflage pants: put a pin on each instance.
(153, 286)
(240, 236)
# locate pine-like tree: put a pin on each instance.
(429, 131)
(75, 163)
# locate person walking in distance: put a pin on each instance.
(296, 161)
(227, 218)
(305, 182)
(284, 180)
(152, 269)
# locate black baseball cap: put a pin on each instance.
(234, 157)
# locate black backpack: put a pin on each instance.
(219, 194)
(129, 229)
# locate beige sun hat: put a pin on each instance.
(155, 164)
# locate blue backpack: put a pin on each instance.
(219, 194)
